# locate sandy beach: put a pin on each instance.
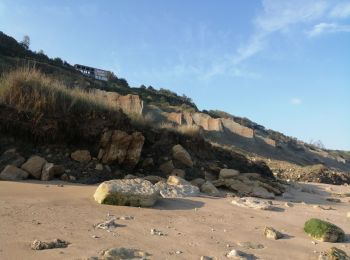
(192, 227)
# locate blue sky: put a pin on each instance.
(283, 64)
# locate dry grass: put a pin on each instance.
(28, 89)
(189, 130)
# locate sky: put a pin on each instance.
(282, 64)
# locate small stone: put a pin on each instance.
(272, 233)
(56, 243)
(108, 224)
(207, 258)
(178, 252)
(323, 230)
(123, 253)
(156, 232)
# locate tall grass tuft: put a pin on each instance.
(27, 89)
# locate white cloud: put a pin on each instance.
(296, 101)
(279, 16)
(322, 28)
(341, 10)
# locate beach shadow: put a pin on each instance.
(286, 236)
(178, 204)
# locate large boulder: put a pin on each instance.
(180, 154)
(118, 146)
(324, 231)
(127, 192)
(12, 173)
(81, 156)
(34, 166)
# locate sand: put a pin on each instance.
(195, 226)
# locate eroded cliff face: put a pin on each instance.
(129, 104)
(210, 124)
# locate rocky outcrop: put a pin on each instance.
(34, 166)
(127, 192)
(236, 128)
(12, 173)
(129, 104)
(175, 118)
(180, 154)
(207, 122)
(118, 146)
(267, 140)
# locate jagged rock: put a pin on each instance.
(130, 192)
(228, 173)
(56, 243)
(272, 233)
(324, 231)
(50, 170)
(178, 172)
(12, 173)
(122, 253)
(180, 154)
(334, 254)
(34, 166)
(118, 146)
(167, 167)
(207, 122)
(210, 189)
(81, 156)
(153, 178)
(176, 187)
(11, 157)
(253, 203)
(198, 182)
